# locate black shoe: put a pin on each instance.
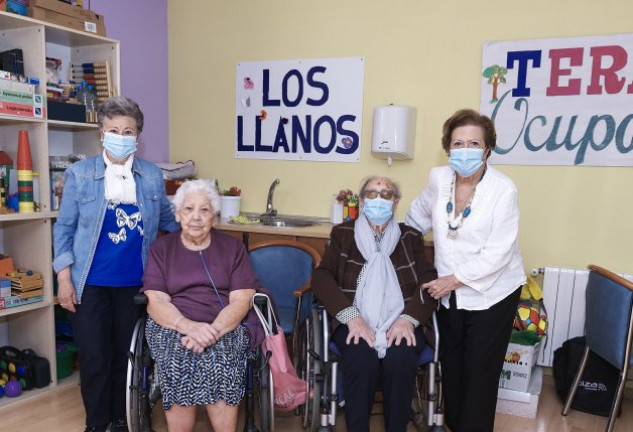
(96, 429)
(119, 425)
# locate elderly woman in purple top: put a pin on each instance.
(200, 284)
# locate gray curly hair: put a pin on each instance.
(120, 106)
(207, 187)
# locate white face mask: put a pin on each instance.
(466, 161)
(119, 146)
(378, 210)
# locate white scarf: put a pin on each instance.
(378, 294)
(120, 187)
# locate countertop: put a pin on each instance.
(319, 230)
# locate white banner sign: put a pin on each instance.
(300, 109)
(560, 101)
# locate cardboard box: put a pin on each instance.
(518, 365)
(14, 6)
(6, 266)
(522, 404)
(50, 16)
(66, 9)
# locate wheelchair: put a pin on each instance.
(318, 366)
(143, 392)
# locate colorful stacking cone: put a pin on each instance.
(25, 174)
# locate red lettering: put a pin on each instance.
(612, 83)
(573, 85)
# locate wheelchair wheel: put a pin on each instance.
(142, 391)
(265, 396)
(311, 356)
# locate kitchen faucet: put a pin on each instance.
(270, 211)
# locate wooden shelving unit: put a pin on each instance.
(28, 237)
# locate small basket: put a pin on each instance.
(65, 354)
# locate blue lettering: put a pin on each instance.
(551, 144)
(280, 139)
(284, 88)
(317, 129)
(600, 132)
(318, 84)
(619, 135)
(340, 127)
(517, 107)
(266, 88)
(522, 58)
(240, 136)
(528, 141)
(588, 138)
(298, 134)
(259, 147)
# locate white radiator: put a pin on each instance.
(564, 299)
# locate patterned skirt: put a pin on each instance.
(187, 378)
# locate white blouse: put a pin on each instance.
(485, 256)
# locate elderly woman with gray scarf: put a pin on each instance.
(369, 279)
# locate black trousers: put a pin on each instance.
(364, 373)
(473, 345)
(103, 326)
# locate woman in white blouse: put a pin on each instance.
(473, 211)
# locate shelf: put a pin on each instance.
(73, 38)
(26, 395)
(54, 33)
(72, 126)
(17, 217)
(11, 21)
(28, 307)
(27, 237)
(6, 119)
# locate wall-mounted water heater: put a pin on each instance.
(393, 136)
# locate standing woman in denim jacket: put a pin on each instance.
(113, 206)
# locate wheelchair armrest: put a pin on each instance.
(140, 299)
(301, 291)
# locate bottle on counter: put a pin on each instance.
(336, 212)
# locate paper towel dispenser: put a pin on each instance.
(393, 135)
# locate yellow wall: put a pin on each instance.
(421, 53)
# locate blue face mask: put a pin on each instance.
(466, 161)
(119, 146)
(378, 210)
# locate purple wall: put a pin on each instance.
(141, 27)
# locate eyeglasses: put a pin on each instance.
(384, 194)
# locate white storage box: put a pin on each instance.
(518, 366)
(522, 404)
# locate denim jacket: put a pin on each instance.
(83, 207)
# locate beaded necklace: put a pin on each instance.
(456, 223)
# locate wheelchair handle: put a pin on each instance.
(140, 299)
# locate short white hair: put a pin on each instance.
(207, 187)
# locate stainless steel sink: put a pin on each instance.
(287, 221)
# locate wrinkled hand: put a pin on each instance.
(199, 334)
(192, 345)
(440, 287)
(66, 293)
(401, 330)
(358, 329)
